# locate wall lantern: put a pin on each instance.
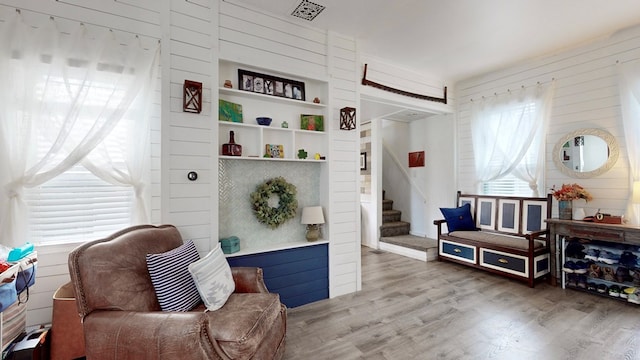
(192, 97)
(347, 118)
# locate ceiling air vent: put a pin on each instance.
(307, 10)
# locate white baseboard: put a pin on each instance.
(400, 250)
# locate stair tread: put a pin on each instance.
(395, 224)
(389, 212)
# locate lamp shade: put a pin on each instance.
(636, 192)
(312, 215)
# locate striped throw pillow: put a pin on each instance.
(170, 276)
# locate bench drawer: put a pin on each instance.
(505, 262)
(454, 250)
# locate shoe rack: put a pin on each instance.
(600, 259)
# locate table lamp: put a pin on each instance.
(312, 217)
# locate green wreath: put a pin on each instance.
(287, 204)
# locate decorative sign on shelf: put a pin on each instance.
(270, 85)
(192, 97)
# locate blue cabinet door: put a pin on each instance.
(299, 275)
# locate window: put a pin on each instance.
(508, 135)
(75, 134)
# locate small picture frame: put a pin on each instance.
(416, 159)
(271, 85)
(279, 88)
(312, 122)
(246, 82)
(258, 85)
(363, 161)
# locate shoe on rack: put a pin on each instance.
(592, 254)
(569, 267)
(591, 286)
(623, 292)
(634, 295)
(614, 290)
(628, 259)
(607, 274)
(636, 276)
(582, 281)
(572, 280)
(608, 257)
(580, 267)
(602, 288)
(574, 250)
(622, 274)
(595, 271)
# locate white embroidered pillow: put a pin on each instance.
(213, 278)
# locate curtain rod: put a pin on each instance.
(19, 12)
(538, 83)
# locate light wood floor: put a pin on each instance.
(409, 309)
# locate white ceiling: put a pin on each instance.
(457, 39)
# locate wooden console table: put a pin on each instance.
(586, 230)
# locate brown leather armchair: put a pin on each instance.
(122, 318)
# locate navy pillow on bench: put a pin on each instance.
(459, 219)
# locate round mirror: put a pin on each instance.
(586, 153)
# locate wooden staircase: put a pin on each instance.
(394, 235)
(392, 225)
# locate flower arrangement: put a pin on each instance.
(571, 192)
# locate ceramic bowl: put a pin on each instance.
(266, 121)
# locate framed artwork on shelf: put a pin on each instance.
(312, 122)
(228, 111)
(271, 85)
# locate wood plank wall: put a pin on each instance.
(194, 34)
(270, 42)
(586, 96)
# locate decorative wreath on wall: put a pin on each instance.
(287, 204)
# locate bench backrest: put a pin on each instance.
(508, 214)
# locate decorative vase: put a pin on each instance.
(579, 214)
(565, 209)
(231, 148)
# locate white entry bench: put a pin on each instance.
(510, 238)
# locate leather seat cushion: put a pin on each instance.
(243, 322)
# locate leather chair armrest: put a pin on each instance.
(248, 280)
(145, 335)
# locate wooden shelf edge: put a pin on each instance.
(225, 157)
(224, 90)
(276, 247)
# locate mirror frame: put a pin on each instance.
(614, 153)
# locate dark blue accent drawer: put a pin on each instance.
(497, 260)
(458, 251)
(298, 275)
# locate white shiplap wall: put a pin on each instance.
(282, 46)
(127, 19)
(586, 96)
(189, 140)
(183, 142)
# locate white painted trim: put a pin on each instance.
(516, 215)
(535, 263)
(401, 250)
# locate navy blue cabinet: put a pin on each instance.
(300, 275)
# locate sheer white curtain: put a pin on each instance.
(63, 96)
(508, 134)
(629, 84)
